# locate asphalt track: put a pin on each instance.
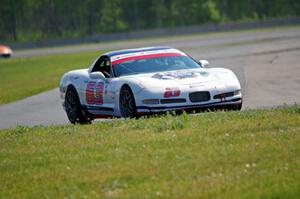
(267, 63)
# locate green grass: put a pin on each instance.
(23, 77)
(248, 154)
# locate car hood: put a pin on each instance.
(181, 77)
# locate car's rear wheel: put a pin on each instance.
(73, 108)
(127, 103)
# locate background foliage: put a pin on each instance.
(28, 20)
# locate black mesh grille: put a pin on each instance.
(201, 96)
(170, 101)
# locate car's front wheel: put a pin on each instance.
(235, 107)
(73, 108)
(127, 103)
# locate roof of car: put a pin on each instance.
(135, 50)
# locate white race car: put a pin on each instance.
(136, 82)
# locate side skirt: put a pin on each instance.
(98, 112)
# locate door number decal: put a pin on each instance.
(94, 93)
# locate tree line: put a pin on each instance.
(31, 20)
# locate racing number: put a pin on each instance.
(90, 92)
(94, 93)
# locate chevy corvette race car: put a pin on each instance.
(136, 82)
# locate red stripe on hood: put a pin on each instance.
(145, 57)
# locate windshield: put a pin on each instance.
(155, 64)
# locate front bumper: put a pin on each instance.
(189, 107)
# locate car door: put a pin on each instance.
(96, 96)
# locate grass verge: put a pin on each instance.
(23, 77)
(249, 154)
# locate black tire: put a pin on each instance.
(239, 107)
(73, 107)
(127, 103)
(236, 107)
(6, 55)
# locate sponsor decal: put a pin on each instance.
(179, 75)
(172, 92)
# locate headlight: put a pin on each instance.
(237, 92)
(228, 94)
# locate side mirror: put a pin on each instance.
(97, 75)
(203, 62)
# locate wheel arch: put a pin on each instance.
(71, 86)
(84, 116)
(134, 87)
(126, 85)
